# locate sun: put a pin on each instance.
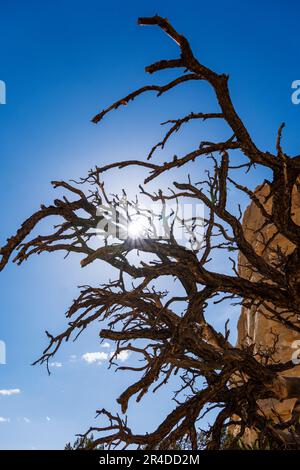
(136, 229)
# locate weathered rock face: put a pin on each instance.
(255, 325)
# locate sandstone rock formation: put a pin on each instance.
(255, 325)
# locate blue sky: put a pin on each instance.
(63, 62)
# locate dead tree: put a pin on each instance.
(142, 319)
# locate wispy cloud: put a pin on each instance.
(101, 356)
(105, 345)
(4, 420)
(56, 364)
(10, 391)
(47, 418)
(27, 420)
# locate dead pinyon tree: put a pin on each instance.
(171, 333)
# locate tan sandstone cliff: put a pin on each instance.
(255, 325)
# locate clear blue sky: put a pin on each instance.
(62, 62)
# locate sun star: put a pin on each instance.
(136, 229)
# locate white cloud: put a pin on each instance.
(4, 420)
(73, 358)
(55, 364)
(122, 356)
(105, 345)
(27, 420)
(91, 357)
(100, 356)
(47, 418)
(10, 391)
